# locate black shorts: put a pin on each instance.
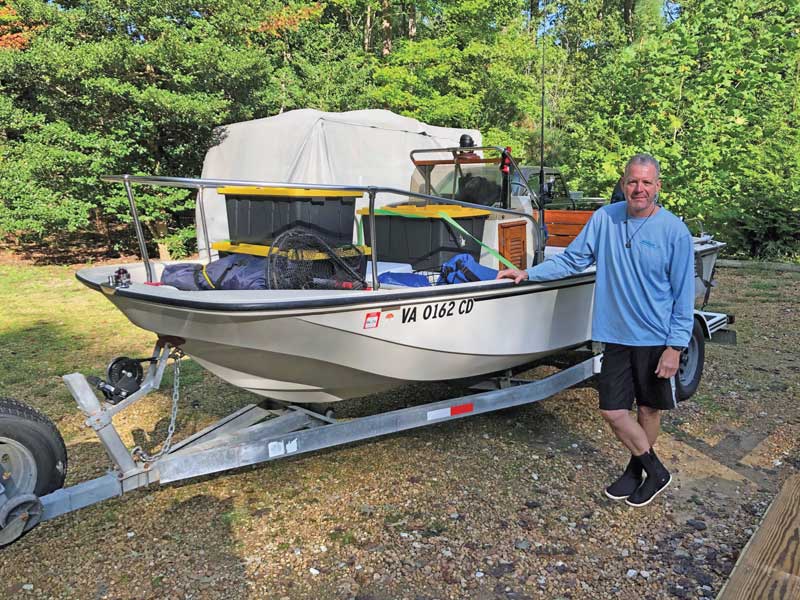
(628, 373)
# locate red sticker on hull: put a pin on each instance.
(371, 320)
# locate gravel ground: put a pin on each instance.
(507, 505)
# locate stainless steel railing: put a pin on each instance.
(201, 184)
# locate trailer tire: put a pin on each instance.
(31, 444)
(690, 371)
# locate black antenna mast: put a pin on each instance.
(539, 257)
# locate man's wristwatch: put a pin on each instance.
(678, 348)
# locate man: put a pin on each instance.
(643, 312)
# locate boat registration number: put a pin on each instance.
(439, 310)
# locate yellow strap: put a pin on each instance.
(208, 279)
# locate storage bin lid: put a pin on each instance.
(431, 211)
(299, 193)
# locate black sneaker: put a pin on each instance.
(628, 482)
(657, 480)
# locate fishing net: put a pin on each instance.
(299, 259)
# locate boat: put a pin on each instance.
(312, 346)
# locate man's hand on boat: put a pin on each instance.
(514, 274)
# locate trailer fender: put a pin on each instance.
(715, 326)
(699, 316)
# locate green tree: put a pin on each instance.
(134, 87)
(474, 64)
(713, 95)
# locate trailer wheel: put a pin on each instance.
(690, 370)
(33, 458)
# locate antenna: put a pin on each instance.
(539, 256)
(541, 131)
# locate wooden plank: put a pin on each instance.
(462, 160)
(769, 566)
(578, 217)
(559, 241)
(564, 229)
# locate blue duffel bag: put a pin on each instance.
(232, 272)
(404, 279)
(463, 268)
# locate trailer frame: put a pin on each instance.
(254, 434)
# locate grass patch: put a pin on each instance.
(191, 374)
(53, 325)
(671, 427)
(436, 528)
(109, 516)
(710, 405)
(719, 307)
(234, 518)
(771, 295)
(393, 519)
(342, 537)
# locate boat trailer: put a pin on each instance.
(251, 435)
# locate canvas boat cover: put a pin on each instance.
(361, 147)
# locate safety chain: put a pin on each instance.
(138, 453)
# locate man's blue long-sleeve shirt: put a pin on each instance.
(644, 295)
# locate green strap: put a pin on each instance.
(491, 251)
(391, 213)
(383, 212)
(502, 259)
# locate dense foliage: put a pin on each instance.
(91, 87)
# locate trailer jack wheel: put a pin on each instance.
(19, 515)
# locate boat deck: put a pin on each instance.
(769, 565)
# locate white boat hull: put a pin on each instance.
(326, 346)
(328, 354)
